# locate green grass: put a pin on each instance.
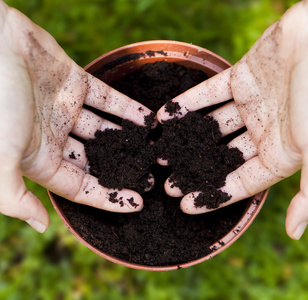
(263, 264)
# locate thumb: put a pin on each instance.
(16, 201)
(297, 214)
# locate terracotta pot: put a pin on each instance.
(118, 64)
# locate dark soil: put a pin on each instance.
(161, 234)
(121, 158)
(158, 83)
(200, 161)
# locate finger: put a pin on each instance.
(246, 181)
(151, 181)
(297, 214)
(75, 153)
(16, 201)
(162, 162)
(211, 91)
(88, 123)
(244, 143)
(74, 184)
(107, 99)
(228, 118)
(172, 190)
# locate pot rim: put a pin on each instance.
(189, 53)
(188, 49)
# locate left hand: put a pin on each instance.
(42, 92)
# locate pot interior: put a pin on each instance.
(117, 65)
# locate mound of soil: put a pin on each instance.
(121, 158)
(200, 161)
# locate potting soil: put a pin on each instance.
(161, 234)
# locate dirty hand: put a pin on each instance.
(270, 91)
(42, 92)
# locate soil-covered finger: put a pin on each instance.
(246, 181)
(74, 153)
(171, 189)
(151, 181)
(93, 194)
(244, 143)
(228, 118)
(103, 97)
(71, 182)
(249, 179)
(209, 92)
(202, 202)
(162, 162)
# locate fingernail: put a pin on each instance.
(39, 227)
(299, 230)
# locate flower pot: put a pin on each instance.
(118, 64)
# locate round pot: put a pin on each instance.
(119, 63)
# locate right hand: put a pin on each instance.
(270, 91)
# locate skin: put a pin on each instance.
(270, 92)
(42, 92)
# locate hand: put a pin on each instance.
(42, 92)
(270, 91)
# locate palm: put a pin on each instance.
(262, 85)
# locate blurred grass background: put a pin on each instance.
(263, 264)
